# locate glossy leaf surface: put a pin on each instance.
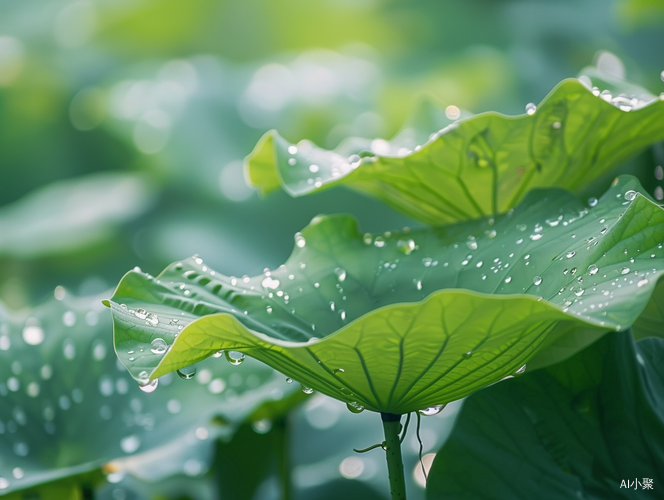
(68, 407)
(574, 430)
(478, 166)
(391, 322)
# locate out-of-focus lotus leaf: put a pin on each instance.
(70, 215)
(578, 429)
(68, 407)
(391, 322)
(478, 166)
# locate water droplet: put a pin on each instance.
(418, 284)
(235, 357)
(570, 255)
(306, 390)
(338, 370)
(432, 410)
(289, 380)
(531, 108)
(624, 270)
(151, 319)
(141, 313)
(269, 309)
(642, 282)
(592, 202)
(471, 243)
(150, 386)
(521, 370)
(292, 150)
(341, 273)
(218, 354)
(158, 346)
(406, 246)
(270, 283)
(299, 240)
(537, 280)
(188, 372)
(579, 292)
(574, 270)
(379, 242)
(355, 407)
(630, 195)
(508, 279)
(535, 237)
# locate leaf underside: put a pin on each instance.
(477, 166)
(574, 430)
(406, 320)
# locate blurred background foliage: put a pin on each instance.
(123, 125)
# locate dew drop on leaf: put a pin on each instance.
(141, 313)
(341, 274)
(406, 246)
(537, 280)
(630, 195)
(531, 108)
(235, 357)
(521, 370)
(150, 386)
(299, 240)
(306, 390)
(431, 410)
(355, 407)
(188, 372)
(158, 346)
(624, 270)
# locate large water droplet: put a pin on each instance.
(570, 254)
(521, 370)
(624, 270)
(432, 410)
(355, 407)
(150, 386)
(152, 319)
(642, 282)
(188, 372)
(235, 357)
(592, 202)
(306, 390)
(158, 346)
(630, 195)
(299, 240)
(341, 273)
(592, 269)
(531, 108)
(537, 280)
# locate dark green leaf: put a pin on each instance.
(68, 407)
(480, 165)
(575, 430)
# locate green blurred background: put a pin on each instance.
(123, 123)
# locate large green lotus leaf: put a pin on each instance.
(68, 215)
(402, 321)
(574, 430)
(68, 407)
(480, 165)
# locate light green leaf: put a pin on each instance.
(575, 430)
(60, 385)
(407, 320)
(478, 166)
(70, 215)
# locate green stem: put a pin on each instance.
(281, 438)
(391, 427)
